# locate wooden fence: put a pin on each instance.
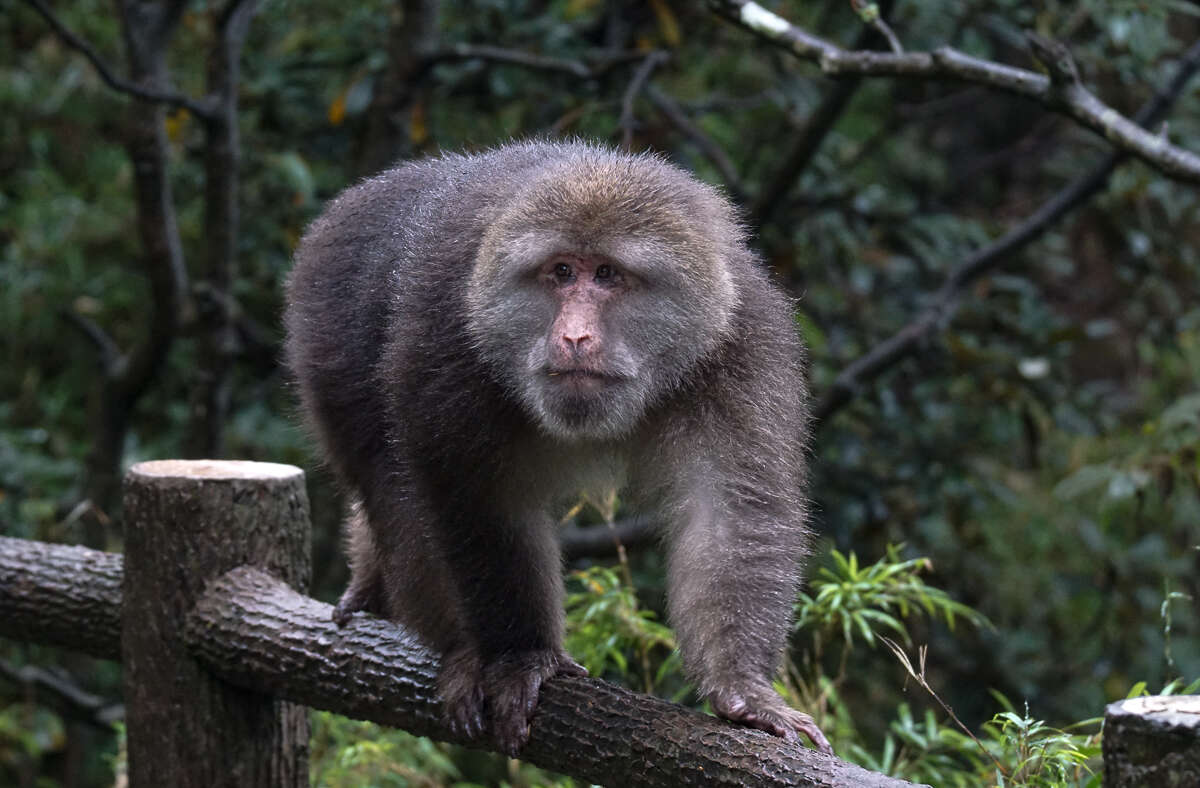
(223, 653)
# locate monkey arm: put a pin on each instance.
(733, 571)
(740, 520)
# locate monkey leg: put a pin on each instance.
(508, 576)
(365, 590)
(363, 593)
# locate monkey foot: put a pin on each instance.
(512, 686)
(507, 687)
(342, 612)
(460, 685)
(765, 710)
(358, 596)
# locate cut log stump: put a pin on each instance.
(1153, 741)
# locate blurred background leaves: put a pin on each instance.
(1037, 457)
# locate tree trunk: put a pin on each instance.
(186, 523)
(412, 33)
(1152, 741)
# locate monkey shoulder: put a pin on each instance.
(754, 382)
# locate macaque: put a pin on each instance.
(477, 339)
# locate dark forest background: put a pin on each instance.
(1002, 307)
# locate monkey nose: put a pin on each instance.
(576, 342)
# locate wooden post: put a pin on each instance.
(1152, 741)
(187, 523)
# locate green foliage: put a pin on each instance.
(1165, 455)
(28, 733)
(608, 629)
(348, 753)
(1012, 751)
(863, 601)
(1042, 451)
(1035, 755)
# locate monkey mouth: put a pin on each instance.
(569, 373)
(580, 379)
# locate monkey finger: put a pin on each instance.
(814, 735)
(794, 722)
(466, 723)
(464, 714)
(460, 686)
(569, 667)
(769, 724)
(511, 709)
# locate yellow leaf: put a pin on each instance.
(337, 108)
(176, 124)
(418, 130)
(577, 8)
(667, 24)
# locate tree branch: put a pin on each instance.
(676, 116)
(872, 15)
(516, 57)
(388, 133)
(61, 595)
(1070, 98)
(64, 694)
(595, 541)
(652, 61)
(256, 632)
(253, 631)
(512, 57)
(210, 388)
(112, 361)
(201, 109)
(946, 301)
(146, 29)
(804, 148)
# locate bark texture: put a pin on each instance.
(186, 524)
(61, 596)
(1152, 741)
(254, 631)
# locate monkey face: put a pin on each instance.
(597, 290)
(583, 379)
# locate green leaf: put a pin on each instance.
(1183, 412)
(1087, 479)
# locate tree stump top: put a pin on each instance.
(214, 469)
(1167, 709)
(1152, 741)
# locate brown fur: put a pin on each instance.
(418, 335)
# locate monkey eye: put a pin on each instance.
(604, 271)
(562, 271)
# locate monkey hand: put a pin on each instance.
(508, 687)
(762, 708)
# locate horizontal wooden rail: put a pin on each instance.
(255, 632)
